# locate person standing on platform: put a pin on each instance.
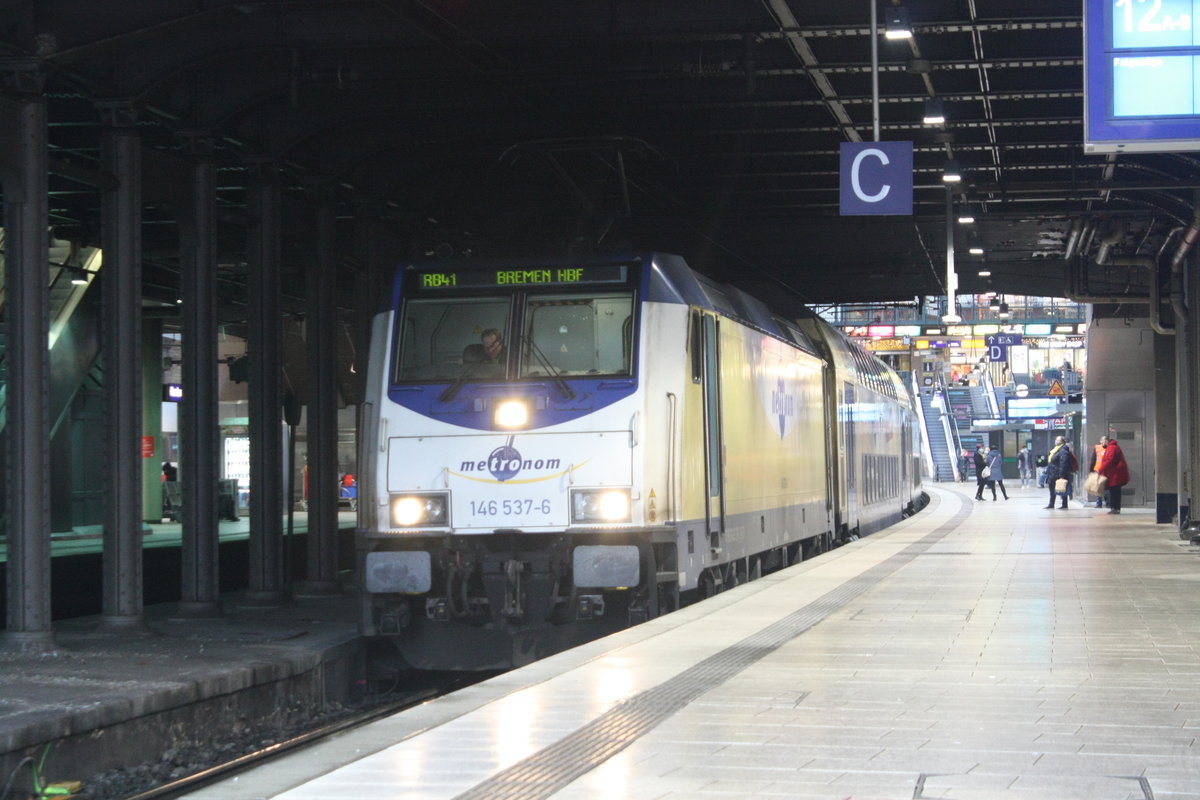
(980, 463)
(1094, 464)
(1025, 465)
(1116, 471)
(995, 466)
(1059, 466)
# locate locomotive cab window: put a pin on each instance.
(444, 338)
(573, 334)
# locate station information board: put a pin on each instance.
(1141, 76)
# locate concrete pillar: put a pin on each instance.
(266, 584)
(121, 241)
(23, 170)
(198, 423)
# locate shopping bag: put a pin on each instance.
(986, 473)
(1095, 483)
(1060, 486)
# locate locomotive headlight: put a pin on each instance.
(418, 509)
(511, 414)
(600, 505)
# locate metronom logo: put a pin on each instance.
(506, 462)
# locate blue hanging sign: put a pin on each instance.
(876, 178)
(1141, 76)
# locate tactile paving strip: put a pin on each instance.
(556, 766)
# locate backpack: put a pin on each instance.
(1074, 461)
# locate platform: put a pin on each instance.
(977, 650)
(107, 698)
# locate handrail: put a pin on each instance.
(926, 449)
(989, 392)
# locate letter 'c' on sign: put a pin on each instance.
(857, 185)
(875, 178)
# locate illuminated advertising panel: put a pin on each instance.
(1141, 76)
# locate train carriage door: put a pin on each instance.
(713, 445)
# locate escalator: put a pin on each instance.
(940, 448)
(76, 381)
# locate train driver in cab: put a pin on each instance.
(490, 350)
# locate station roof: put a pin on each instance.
(709, 128)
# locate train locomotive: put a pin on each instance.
(554, 450)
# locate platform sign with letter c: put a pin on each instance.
(876, 178)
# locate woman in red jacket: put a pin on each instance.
(1113, 467)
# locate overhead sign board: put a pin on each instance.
(876, 178)
(998, 344)
(1031, 407)
(1141, 68)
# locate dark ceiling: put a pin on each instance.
(705, 127)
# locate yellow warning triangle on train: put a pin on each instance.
(1056, 389)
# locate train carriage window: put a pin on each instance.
(578, 335)
(437, 338)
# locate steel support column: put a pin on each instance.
(1188, 344)
(320, 330)
(266, 585)
(121, 212)
(23, 169)
(198, 424)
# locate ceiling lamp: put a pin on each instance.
(995, 304)
(896, 24)
(1004, 312)
(952, 172)
(975, 250)
(935, 113)
(966, 214)
(985, 273)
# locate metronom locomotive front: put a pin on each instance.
(554, 450)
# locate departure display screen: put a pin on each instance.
(1142, 75)
(518, 277)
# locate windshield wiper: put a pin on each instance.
(454, 388)
(567, 392)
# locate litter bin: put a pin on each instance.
(227, 499)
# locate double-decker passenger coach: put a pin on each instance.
(556, 449)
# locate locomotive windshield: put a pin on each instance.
(477, 338)
(441, 338)
(573, 334)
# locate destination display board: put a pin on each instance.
(1141, 76)
(514, 277)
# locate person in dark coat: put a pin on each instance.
(979, 465)
(1059, 465)
(1116, 471)
(995, 463)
